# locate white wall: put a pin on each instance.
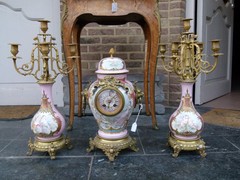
(190, 11)
(18, 22)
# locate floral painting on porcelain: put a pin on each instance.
(44, 123)
(186, 122)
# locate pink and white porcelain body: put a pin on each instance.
(47, 124)
(186, 123)
(113, 127)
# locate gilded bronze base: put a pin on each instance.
(111, 148)
(181, 145)
(50, 147)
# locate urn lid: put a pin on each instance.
(111, 65)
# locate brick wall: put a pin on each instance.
(128, 41)
(171, 12)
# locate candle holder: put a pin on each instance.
(186, 61)
(47, 124)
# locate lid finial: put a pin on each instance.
(111, 52)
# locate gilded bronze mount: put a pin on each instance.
(183, 145)
(50, 147)
(111, 148)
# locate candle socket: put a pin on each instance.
(73, 49)
(14, 49)
(162, 48)
(44, 25)
(186, 24)
(175, 47)
(215, 45)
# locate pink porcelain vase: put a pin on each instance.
(47, 124)
(186, 123)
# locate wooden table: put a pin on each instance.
(78, 13)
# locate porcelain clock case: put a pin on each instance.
(112, 99)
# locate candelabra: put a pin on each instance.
(186, 61)
(47, 124)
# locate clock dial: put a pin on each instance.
(109, 101)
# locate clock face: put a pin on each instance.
(109, 101)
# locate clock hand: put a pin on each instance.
(109, 101)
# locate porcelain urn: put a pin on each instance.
(112, 99)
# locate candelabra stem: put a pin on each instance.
(45, 69)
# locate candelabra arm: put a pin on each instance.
(63, 66)
(206, 67)
(168, 67)
(25, 69)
